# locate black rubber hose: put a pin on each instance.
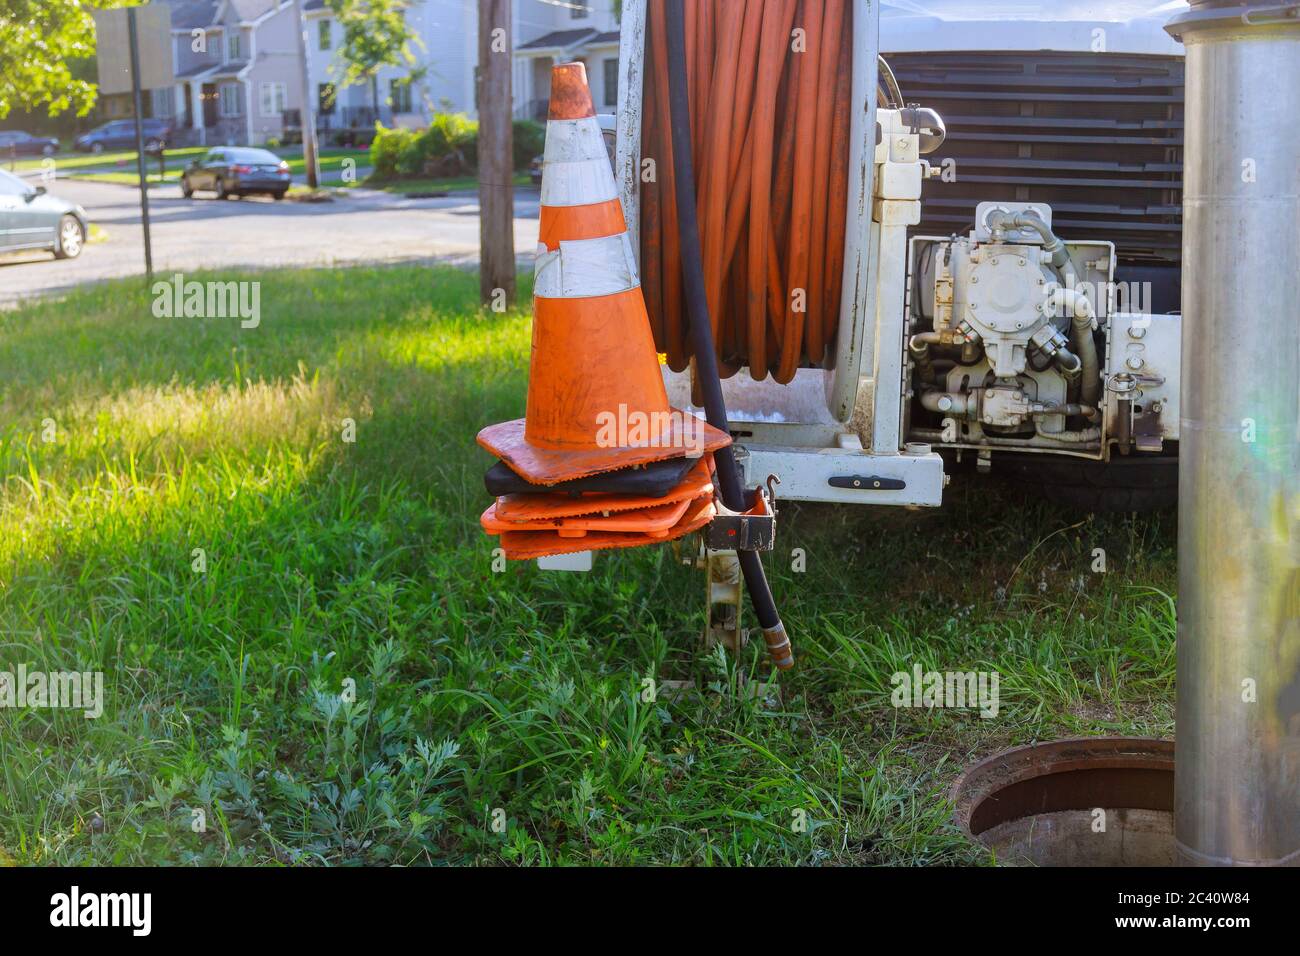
(701, 330)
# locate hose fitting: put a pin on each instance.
(1083, 319)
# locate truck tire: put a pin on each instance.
(1134, 483)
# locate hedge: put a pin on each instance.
(447, 147)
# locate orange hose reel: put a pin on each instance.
(770, 87)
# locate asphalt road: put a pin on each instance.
(201, 233)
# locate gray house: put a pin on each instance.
(237, 72)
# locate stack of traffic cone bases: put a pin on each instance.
(600, 460)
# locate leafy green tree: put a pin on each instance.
(39, 40)
(375, 35)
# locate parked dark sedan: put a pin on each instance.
(231, 171)
(15, 141)
(31, 219)
(120, 134)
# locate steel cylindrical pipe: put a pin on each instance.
(1237, 779)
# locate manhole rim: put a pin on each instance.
(1042, 759)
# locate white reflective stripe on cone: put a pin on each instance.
(575, 561)
(581, 268)
(582, 183)
(571, 141)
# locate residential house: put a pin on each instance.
(441, 79)
(237, 71)
(238, 76)
(544, 32)
(564, 31)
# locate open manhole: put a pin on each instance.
(1097, 801)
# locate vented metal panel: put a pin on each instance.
(1099, 137)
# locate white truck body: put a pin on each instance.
(841, 434)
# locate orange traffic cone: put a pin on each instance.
(596, 399)
(544, 507)
(655, 521)
(521, 545)
(536, 524)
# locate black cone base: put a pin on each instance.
(654, 480)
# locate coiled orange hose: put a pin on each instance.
(770, 90)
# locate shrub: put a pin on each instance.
(451, 131)
(452, 142)
(448, 147)
(386, 148)
(529, 141)
(412, 156)
(445, 148)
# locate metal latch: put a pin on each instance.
(752, 530)
(866, 482)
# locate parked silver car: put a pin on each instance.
(30, 218)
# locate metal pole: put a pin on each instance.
(310, 157)
(139, 142)
(1237, 776)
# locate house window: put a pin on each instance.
(162, 103)
(610, 67)
(231, 103)
(399, 95)
(323, 35)
(272, 98)
(579, 10)
(232, 45)
(325, 97)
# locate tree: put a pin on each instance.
(39, 39)
(375, 35)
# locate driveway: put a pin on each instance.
(192, 234)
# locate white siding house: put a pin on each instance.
(239, 75)
(549, 32)
(443, 71)
(545, 32)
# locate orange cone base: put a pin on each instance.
(653, 521)
(522, 545)
(697, 483)
(546, 466)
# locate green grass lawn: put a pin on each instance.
(68, 162)
(454, 183)
(120, 167)
(305, 645)
(331, 162)
(117, 167)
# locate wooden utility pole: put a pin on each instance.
(496, 194)
(309, 154)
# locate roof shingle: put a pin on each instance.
(188, 14)
(558, 38)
